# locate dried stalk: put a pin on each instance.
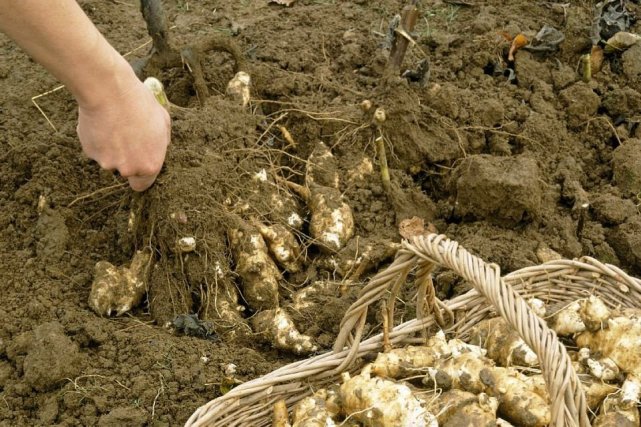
(409, 17)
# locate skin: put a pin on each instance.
(120, 124)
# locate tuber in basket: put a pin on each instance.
(251, 404)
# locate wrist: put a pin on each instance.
(104, 83)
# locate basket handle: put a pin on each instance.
(567, 400)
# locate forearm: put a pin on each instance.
(59, 35)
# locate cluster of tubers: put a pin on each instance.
(263, 247)
(490, 380)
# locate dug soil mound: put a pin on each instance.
(279, 207)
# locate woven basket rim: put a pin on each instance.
(555, 281)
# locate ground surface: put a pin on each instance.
(504, 167)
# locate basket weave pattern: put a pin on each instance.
(556, 282)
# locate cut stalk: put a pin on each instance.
(409, 16)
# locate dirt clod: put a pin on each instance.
(625, 164)
(501, 190)
(50, 357)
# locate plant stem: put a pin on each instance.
(382, 160)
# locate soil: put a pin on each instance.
(505, 166)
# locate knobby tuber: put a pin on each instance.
(460, 408)
(322, 167)
(567, 321)
(284, 209)
(503, 344)
(332, 223)
(379, 402)
(256, 269)
(238, 88)
(277, 328)
(283, 246)
(519, 403)
(318, 410)
(119, 289)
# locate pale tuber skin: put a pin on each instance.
(239, 88)
(614, 414)
(596, 391)
(303, 299)
(462, 373)
(284, 208)
(280, 418)
(409, 361)
(332, 221)
(519, 404)
(461, 408)
(380, 402)
(315, 411)
(519, 396)
(257, 270)
(116, 290)
(603, 369)
(283, 246)
(620, 342)
(503, 344)
(277, 328)
(567, 321)
(594, 313)
(322, 167)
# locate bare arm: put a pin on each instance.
(120, 124)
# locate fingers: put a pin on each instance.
(141, 175)
(141, 183)
(131, 138)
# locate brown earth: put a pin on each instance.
(504, 167)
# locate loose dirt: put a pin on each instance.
(504, 166)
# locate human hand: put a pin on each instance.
(127, 131)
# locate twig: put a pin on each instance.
(33, 99)
(161, 390)
(386, 341)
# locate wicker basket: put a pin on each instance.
(251, 404)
